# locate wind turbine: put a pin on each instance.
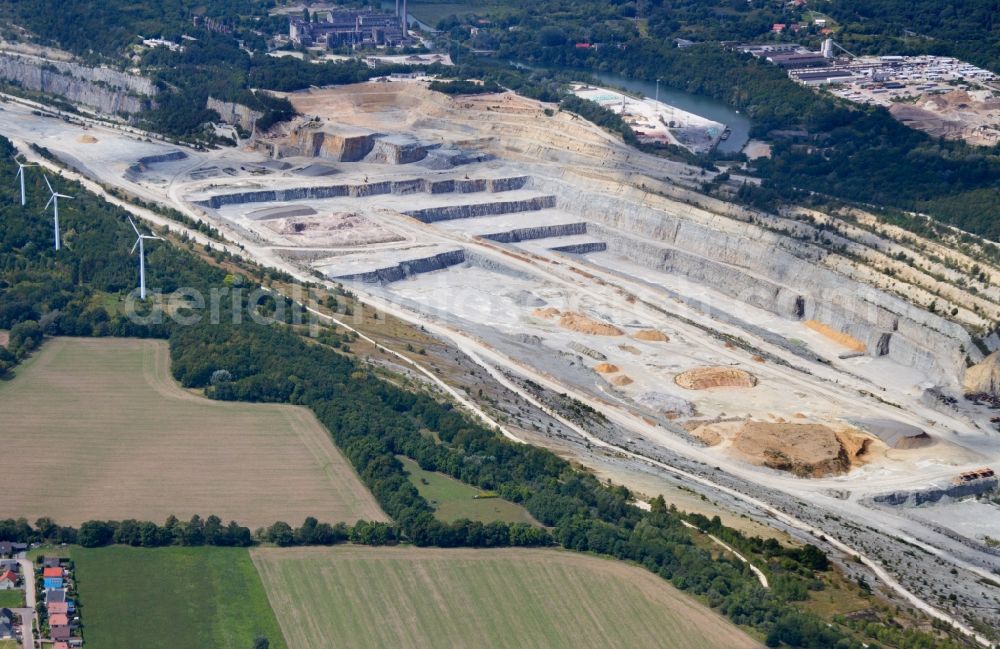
(54, 201)
(140, 237)
(20, 174)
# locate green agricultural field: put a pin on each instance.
(168, 598)
(102, 431)
(453, 499)
(410, 598)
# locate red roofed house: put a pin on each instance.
(61, 645)
(60, 632)
(52, 572)
(8, 580)
(56, 608)
(777, 28)
(58, 619)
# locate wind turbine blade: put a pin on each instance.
(20, 170)
(52, 191)
(51, 198)
(64, 196)
(134, 246)
(132, 223)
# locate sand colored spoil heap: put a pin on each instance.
(706, 378)
(838, 337)
(547, 313)
(606, 368)
(620, 380)
(808, 450)
(984, 377)
(87, 139)
(630, 349)
(583, 324)
(651, 335)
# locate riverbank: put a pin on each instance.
(655, 121)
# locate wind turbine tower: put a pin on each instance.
(20, 174)
(140, 237)
(54, 201)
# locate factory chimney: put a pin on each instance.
(397, 8)
(406, 22)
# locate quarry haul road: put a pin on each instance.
(473, 349)
(761, 577)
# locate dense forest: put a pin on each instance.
(104, 31)
(76, 291)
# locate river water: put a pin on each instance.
(739, 126)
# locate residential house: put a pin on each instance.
(8, 580)
(53, 577)
(60, 632)
(58, 619)
(9, 564)
(61, 645)
(6, 624)
(51, 562)
(58, 608)
(8, 549)
(55, 595)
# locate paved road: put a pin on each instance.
(27, 614)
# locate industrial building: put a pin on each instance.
(798, 60)
(823, 77)
(350, 28)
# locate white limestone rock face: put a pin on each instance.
(233, 113)
(771, 271)
(107, 90)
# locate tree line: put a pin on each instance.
(196, 532)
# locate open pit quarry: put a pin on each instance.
(785, 364)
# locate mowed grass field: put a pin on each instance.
(98, 429)
(168, 598)
(416, 598)
(11, 599)
(453, 499)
